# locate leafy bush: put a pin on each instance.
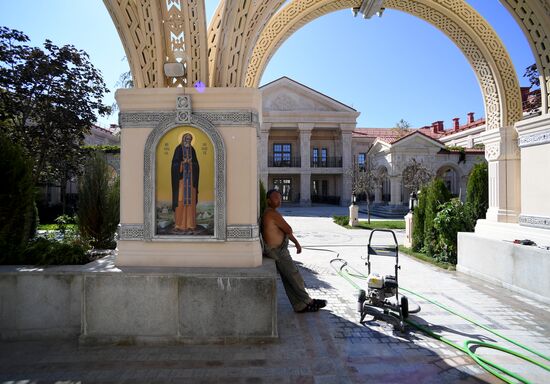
(99, 203)
(477, 191)
(453, 217)
(437, 194)
(418, 220)
(47, 251)
(17, 208)
(341, 220)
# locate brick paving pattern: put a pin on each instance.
(327, 347)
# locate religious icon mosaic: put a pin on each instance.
(185, 190)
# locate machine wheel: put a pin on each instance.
(404, 306)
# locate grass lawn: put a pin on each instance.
(374, 224)
(382, 224)
(426, 258)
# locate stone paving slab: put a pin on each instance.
(325, 347)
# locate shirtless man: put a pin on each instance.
(276, 233)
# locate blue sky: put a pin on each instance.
(387, 68)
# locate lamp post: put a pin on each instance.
(412, 201)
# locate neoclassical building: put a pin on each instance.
(309, 142)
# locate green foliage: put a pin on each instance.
(453, 217)
(47, 251)
(263, 200)
(477, 191)
(49, 98)
(426, 258)
(418, 220)
(17, 209)
(437, 194)
(455, 148)
(341, 220)
(99, 206)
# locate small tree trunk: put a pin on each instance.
(368, 209)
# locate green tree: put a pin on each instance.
(16, 201)
(98, 203)
(437, 194)
(418, 220)
(49, 98)
(477, 191)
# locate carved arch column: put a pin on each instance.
(156, 32)
(533, 16)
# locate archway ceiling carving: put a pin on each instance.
(243, 35)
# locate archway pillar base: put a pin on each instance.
(503, 156)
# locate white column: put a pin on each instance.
(395, 190)
(502, 153)
(305, 189)
(305, 168)
(263, 153)
(347, 163)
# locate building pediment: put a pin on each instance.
(285, 94)
(417, 140)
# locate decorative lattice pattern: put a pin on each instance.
(134, 21)
(453, 17)
(291, 18)
(213, 41)
(530, 19)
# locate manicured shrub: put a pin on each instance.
(418, 220)
(453, 217)
(477, 191)
(99, 204)
(437, 194)
(17, 209)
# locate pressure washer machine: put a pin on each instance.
(382, 299)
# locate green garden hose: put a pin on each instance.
(348, 272)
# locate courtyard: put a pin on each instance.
(325, 347)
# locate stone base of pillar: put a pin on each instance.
(353, 215)
(408, 230)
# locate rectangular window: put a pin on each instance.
(361, 159)
(324, 157)
(282, 155)
(315, 157)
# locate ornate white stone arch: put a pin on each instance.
(155, 32)
(460, 22)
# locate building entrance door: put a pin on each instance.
(284, 187)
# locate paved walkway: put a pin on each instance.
(319, 348)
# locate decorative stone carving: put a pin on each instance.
(492, 151)
(538, 138)
(243, 232)
(130, 232)
(534, 221)
(152, 119)
(183, 102)
(183, 117)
